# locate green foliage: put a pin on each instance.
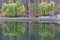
(13, 9)
(13, 29)
(36, 15)
(38, 31)
(41, 30)
(44, 31)
(51, 6)
(45, 7)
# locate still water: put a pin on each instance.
(29, 31)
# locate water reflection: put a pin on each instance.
(29, 31)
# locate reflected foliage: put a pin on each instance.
(13, 29)
(41, 30)
(37, 31)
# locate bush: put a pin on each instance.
(45, 7)
(13, 9)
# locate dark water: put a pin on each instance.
(33, 31)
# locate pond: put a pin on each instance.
(29, 31)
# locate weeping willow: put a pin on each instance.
(13, 9)
(45, 7)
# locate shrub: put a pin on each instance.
(45, 7)
(13, 9)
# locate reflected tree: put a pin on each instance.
(13, 29)
(41, 30)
